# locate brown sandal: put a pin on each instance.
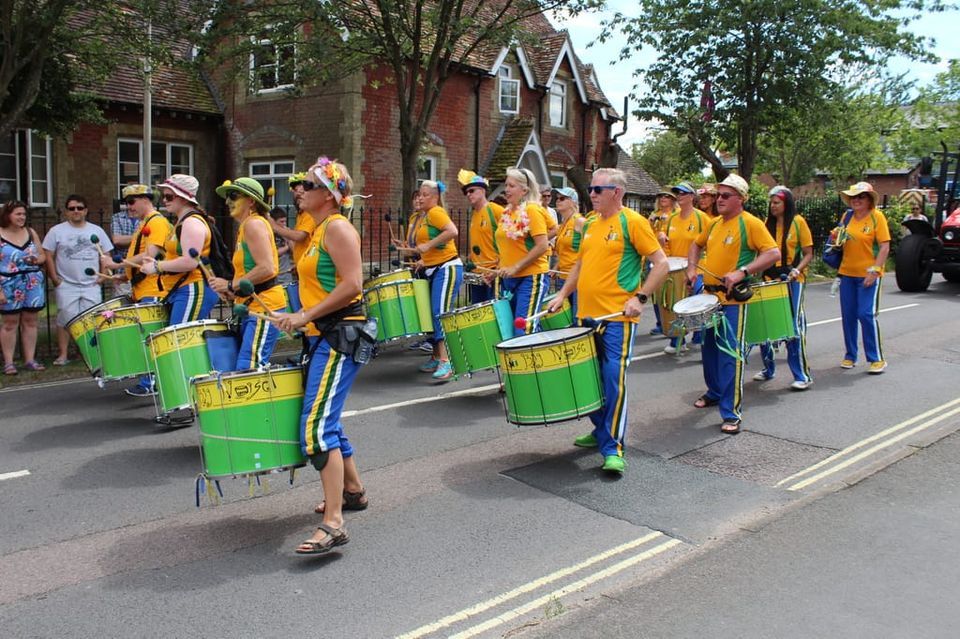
(705, 401)
(334, 537)
(351, 501)
(730, 426)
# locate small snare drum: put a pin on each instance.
(697, 312)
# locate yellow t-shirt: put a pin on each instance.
(512, 250)
(682, 232)
(172, 248)
(318, 274)
(568, 244)
(860, 249)
(154, 230)
(731, 244)
(274, 297)
(611, 256)
(795, 244)
(307, 224)
(429, 226)
(658, 219)
(483, 225)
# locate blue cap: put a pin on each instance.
(568, 192)
(682, 188)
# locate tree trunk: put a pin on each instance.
(409, 158)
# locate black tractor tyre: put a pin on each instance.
(913, 270)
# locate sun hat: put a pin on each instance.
(133, 190)
(738, 184)
(295, 179)
(707, 188)
(469, 179)
(857, 189)
(667, 193)
(245, 186)
(683, 188)
(328, 173)
(569, 192)
(185, 186)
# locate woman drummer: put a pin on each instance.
(666, 207)
(569, 236)
(331, 283)
(255, 259)
(793, 237)
(522, 240)
(681, 229)
(433, 235)
(707, 200)
(191, 298)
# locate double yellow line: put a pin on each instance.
(664, 543)
(869, 446)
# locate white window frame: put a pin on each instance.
(430, 164)
(15, 134)
(166, 159)
(558, 91)
(255, 89)
(505, 78)
(278, 179)
(23, 154)
(49, 170)
(558, 179)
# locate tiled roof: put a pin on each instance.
(173, 88)
(638, 181)
(515, 137)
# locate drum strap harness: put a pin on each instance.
(137, 275)
(355, 338)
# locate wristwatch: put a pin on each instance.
(642, 297)
(746, 272)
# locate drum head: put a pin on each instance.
(677, 263)
(696, 303)
(544, 338)
(186, 325)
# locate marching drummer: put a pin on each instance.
(433, 235)
(606, 278)
(190, 298)
(682, 227)
(331, 283)
(483, 226)
(147, 241)
(569, 236)
(737, 246)
(522, 240)
(793, 236)
(666, 207)
(255, 259)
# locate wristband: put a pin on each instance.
(230, 286)
(873, 269)
(157, 266)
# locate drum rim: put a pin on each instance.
(580, 331)
(94, 308)
(390, 283)
(677, 259)
(193, 324)
(257, 371)
(269, 471)
(716, 302)
(464, 309)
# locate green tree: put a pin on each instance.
(421, 42)
(761, 56)
(55, 53)
(667, 157)
(933, 117)
(843, 137)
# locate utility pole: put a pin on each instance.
(147, 107)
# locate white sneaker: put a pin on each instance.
(761, 377)
(672, 350)
(801, 386)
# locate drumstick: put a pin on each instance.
(593, 321)
(242, 311)
(482, 268)
(404, 263)
(245, 289)
(90, 271)
(95, 240)
(195, 254)
(558, 272)
(521, 323)
(389, 220)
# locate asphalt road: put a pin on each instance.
(475, 526)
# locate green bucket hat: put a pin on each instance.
(246, 186)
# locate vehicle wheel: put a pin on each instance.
(913, 271)
(952, 276)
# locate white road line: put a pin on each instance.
(882, 310)
(483, 606)
(479, 390)
(14, 475)
(519, 611)
(63, 382)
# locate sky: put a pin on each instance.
(617, 81)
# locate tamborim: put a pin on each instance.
(249, 421)
(550, 377)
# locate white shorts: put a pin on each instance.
(73, 300)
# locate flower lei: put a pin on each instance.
(515, 223)
(329, 173)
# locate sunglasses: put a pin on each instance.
(130, 200)
(726, 196)
(860, 196)
(76, 208)
(309, 186)
(473, 190)
(562, 198)
(600, 188)
(169, 197)
(294, 185)
(233, 196)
